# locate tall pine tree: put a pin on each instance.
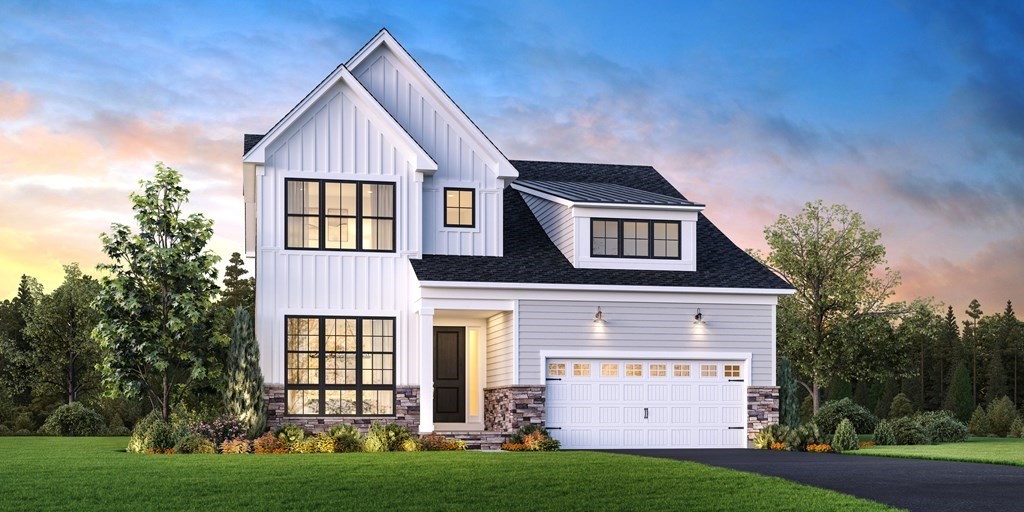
(946, 355)
(973, 343)
(789, 401)
(243, 390)
(958, 399)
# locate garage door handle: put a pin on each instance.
(645, 413)
(552, 379)
(736, 428)
(735, 380)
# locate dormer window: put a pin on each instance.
(630, 238)
(459, 208)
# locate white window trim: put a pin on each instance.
(743, 358)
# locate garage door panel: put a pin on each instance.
(646, 404)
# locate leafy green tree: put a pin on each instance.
(64, 354)
(958, 398)
(243, 390)
(789, 400)
(839, 389)
(15, 346)
(901, 406)
(837, 266)
(156, 324)
(973, 342)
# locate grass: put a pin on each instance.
(46, 473)
(991, 450)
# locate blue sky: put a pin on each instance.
(909, 112)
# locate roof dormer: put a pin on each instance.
(604, 225)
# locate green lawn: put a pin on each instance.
(992, 450)
(40, 473)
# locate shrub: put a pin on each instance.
(901, 407)
(4, 430)
(884, 435)
(1001, 414)
(770, 435)
(433, 442)
(220, 430)
(22, 432)
(289, 434)
(513, 447)
(137, 443)
(410, 445)
(763, 440)
(539, 441)
(979, 425)
(942, 427)
(525, 430)
(778, 446)
(833, 412)
(1016, 428)
(161, 436)
(23, 421)
(323, 443)
(865, 444)
(346, 439)
(845, 438)
(458, 445)
(194, 443)
(819, 448)
(806, 434)
(908, 430)
(301, 446)
(234, 446)
(385, 437)
(267, 443)
(74, 419)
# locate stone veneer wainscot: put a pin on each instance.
(762, 408)
(407, 412)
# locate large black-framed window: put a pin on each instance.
(336, 215)
(339, 366)
(459, 207)
(633, 238)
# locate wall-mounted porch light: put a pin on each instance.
(698, 319)
(599, 316)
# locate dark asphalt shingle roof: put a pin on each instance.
(249, 141)
(531, 257)
(609, 193)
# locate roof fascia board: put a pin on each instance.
(504, 168)
(604, 287)
(257, 154)
(625, 206)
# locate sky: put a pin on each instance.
(911, 113)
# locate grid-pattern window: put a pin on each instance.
(556, 369)
(581, 369)
(658, 370)
(708, 370)
(666, 239)
(731, 370)
(634, 370)
(681, 370)
(340, 366)
(604, 239)
(609, 370)
(339, 215)
(459, 208)
(621, 238)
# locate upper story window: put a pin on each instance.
(459, 208)
(628, 238)
(339, 215)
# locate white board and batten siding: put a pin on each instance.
(462, 161)
(568, 327)
(340, 137)
(557, 221)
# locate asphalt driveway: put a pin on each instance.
(912, 484)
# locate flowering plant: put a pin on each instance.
(220, 430)
(819, 448)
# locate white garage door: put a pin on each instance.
(596, 403)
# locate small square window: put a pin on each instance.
(609, 370)
(459, 207)
(709, 370)
(681, 370)
(634, 370)
(658, 370)
(556, 369)
(581, 369)
(732, 370)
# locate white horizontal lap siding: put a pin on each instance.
(499, 350)
(461, 162)
(341, 137)
(557, 221)
(553, 326)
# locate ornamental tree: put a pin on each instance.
(837, 324)
(156, 323)
(243, 389)
(64, 354)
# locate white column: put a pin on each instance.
(426, 327)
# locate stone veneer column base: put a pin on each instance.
(762, 408)
(407, 412)
(506, 408)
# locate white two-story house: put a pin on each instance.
(408, 272)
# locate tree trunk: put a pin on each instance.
(165, 402)
(815, 396)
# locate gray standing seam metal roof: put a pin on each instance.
(607, 193)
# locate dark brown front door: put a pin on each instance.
(450, 374)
